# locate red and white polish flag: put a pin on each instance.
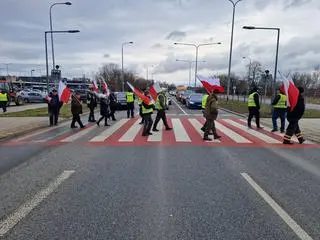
(210, 84)
(105, 87)
(154, 91)
(64, 92)
(137, 92)
(291, 91)
(95, 85)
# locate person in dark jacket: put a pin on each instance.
(92, 103)
(104, 109)
(76, 110)
(293, 118)
(147, 110)
(254, 107)
(113, 106)
(54, 106)
(211, 114)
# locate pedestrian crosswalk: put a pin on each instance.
(186, 131)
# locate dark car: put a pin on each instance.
(121, 100)
(194, 101)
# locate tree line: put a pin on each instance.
(111, 73)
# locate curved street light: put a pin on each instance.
(197, 51)
(50, 15)
(46, 49)
(122, 75)
(234, 4)
(277, 51)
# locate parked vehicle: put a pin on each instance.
(194, 101)
(12, 92)
(32, 97)
(121, 100)
(179, 95)
(185, 96)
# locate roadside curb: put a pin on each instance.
(235, 113)
(21, 133)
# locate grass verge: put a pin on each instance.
(265, 111)
(65, 112)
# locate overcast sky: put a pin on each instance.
(153, 26)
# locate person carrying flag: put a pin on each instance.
(293, 117)
(147, 110)
(92, 103)
(76, 110)
(211, 114)
(54, 105)
(161, 106)
(104, 109)
(140, 110)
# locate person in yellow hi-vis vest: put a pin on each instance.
(3, 100)
(140, 110)
(161, 106)
(254, 107)
(203, 106)
(279, 110)
(147, 110)
(130, 103)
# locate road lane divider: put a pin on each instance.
(184, 112)
(10, 221)
(303, 235)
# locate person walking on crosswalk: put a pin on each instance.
(254, 107)
(211, 114)
(293, 118)
(279, 110)
(113, 105)
(161, 106)
(140, 110)
(147, 110)
(130, 103)
(92, 103)
(104, 109)
(203, 106)
(76, 110)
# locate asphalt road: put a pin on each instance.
(79, 191)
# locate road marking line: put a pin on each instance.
(252, 132)
(231, 134)
(111, 130)
(197, 126)
(282, 213)
(180, 133)
(79, 134)
(157, 136)
(277, 133)
(131, 134)
(185, 113)
(9, 222)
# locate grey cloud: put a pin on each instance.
(176, 35)
(106, 55)
(295, 3)
(157, 45)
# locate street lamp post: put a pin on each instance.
(234, 4)
(50, 13)
(46, 50)
(31, 72)
(197, 51)
(277, 51)
(122, 76)
(190, 66)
